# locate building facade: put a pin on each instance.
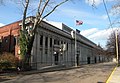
(53, 45)
(56, 46)
(8, 37)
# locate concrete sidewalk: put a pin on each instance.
(115, 76)
(48, 69)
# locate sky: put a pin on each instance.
(95, 21)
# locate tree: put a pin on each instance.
(27, 38)
(111, 42)
(116, 12)
(116, 8)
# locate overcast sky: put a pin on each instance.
(95, 21)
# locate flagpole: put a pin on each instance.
(77, 23)
(75, 43)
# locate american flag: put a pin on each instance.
(78, 22)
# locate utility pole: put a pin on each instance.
(116, 36)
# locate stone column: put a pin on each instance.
(52, 59)
(69, 53)
(43, 51)
(61, 55)
(38, 49)
(34, 56)
(73, 52)
(80, 55)
(48, 52)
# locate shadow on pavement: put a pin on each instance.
(3, 79)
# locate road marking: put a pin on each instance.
(111, 74)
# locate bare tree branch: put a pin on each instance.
(39, 5)
(39, 14)
(42, 10)
(23, 4)
(24, 14)
(54, 9)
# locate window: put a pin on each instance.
(46, 41)
(67, 46)
(41, 40)
(45, 51)
(6, 40)
(55, 41)
(50, 42)
(58, 43)
(15, 38)
(61, 42)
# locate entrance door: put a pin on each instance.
(95, 60)
(99, 59)
(56, 58)
(88, 60)
(77, 58)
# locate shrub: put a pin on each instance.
(5, 64)
(7, 60)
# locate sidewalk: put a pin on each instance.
(115, 76)
(49, 69)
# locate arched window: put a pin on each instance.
(15, 38)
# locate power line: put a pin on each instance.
(107, 14)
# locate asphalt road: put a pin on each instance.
(94, 73)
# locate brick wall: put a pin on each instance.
(9, 37)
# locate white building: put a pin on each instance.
(56, 46)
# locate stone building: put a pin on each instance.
(53, 45)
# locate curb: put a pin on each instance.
(107, 81)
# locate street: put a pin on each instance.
(92, 73)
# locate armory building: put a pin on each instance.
(54, 44)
